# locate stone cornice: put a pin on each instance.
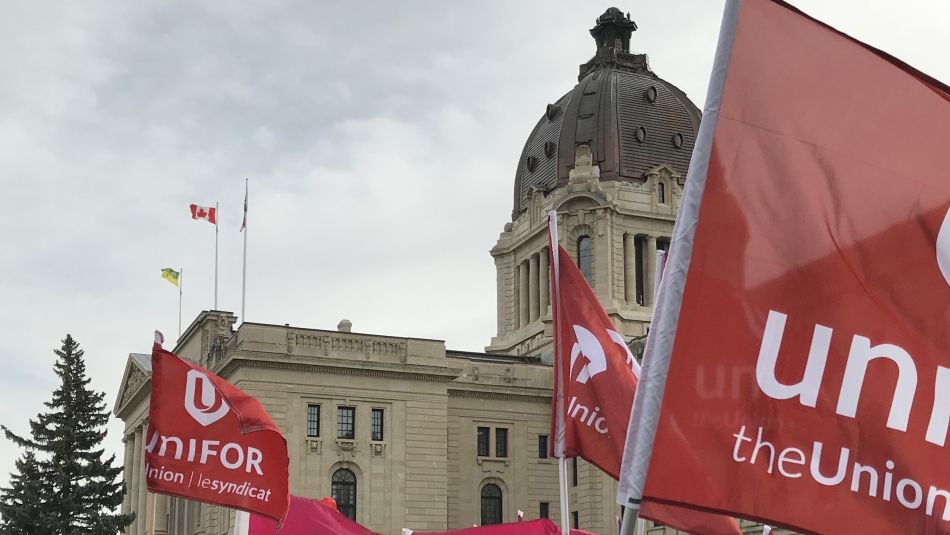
(342, 367)
(536, 397)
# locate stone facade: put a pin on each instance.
(425, 471)
(627, 223)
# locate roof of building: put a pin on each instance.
(631, 119)
(144, 361)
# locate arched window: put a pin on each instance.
(491, 504)
(585, 258)
(343, 491)
(661, 192)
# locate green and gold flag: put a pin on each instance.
(170, 275)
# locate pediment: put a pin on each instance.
(138, 370)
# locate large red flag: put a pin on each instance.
(805, 304)
(595, 380)
(211, 442)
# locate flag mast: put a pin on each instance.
(559, 427)
(180, 276)
(645, 412)
(216, 210)
(244, 266)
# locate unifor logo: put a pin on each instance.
(943, 248)
(201, 399)
(588, 346)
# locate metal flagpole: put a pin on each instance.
(244, 267)
(646, 407)
(559, 388)
(562, 483)
(216, 216)
(181, 275)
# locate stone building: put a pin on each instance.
(406, 433)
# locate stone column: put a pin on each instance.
(500, 296)
(127, 462)
(649, 258)
(138, 494)
(533, 290)
(630, 268)
(544, 287)
(161, 514)
(523, 307)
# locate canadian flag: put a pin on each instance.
(596, 377)
(209, 214)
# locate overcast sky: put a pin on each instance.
(380, 139)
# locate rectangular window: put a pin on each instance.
(542, 446)
(313, 421)
(346, 422)
(376, 425)
(501, 442)
(575, 520)
(545, 510)
(483, 433)
(574, 471)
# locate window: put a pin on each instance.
(501, 442)
(575, 521)
(639, 258)
(574, 471)
(343, 491)
(345, 422)
(585, 258)
(663, 244)
(483, 433)
(544, 511)
(376, 425)
(542, 446)
(491, 504)
(313, 421)
(661, 192)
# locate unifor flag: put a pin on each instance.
(802, 344)
(209, 441)
(595, 381)
(208, 213)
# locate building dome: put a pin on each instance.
(631, 119)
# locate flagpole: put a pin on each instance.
(644, 415)
(181, 274)
(558, 388)
(244, 266)
(217, 214)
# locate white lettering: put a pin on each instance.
(858, 358)
(807, 388)
(816, 466)
(940, 414)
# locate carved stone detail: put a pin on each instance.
(136, 378)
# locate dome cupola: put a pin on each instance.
(631, 119)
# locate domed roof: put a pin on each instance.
(631, 119)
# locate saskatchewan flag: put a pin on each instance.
(170, 275)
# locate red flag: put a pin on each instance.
(305, 517)
(594, 389)
(541, 526)
(808, 363)
(211, 442)
(209, 214)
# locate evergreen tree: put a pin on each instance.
(80, 485)
(22, 503)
